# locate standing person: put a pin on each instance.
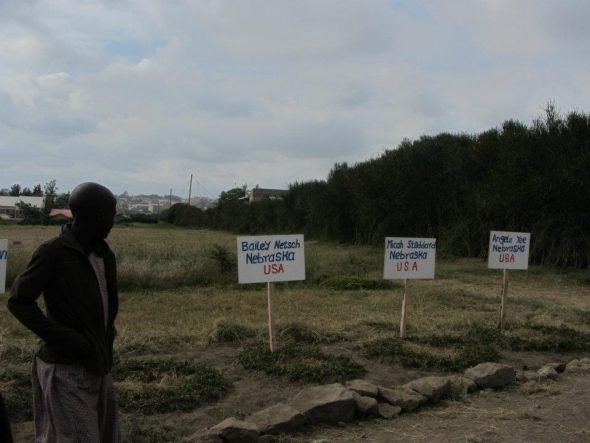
(73, 394)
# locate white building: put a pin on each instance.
(8, 204)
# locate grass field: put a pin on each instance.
(191, 344)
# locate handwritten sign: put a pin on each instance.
(509, 250)
(409, 258)
(3, 262)
(271, 258)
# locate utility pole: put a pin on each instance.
(190, 188)
(170, 201)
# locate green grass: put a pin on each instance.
(16, 388)
(301, 363)
(479, 344)
(229, 332)
(142, 388)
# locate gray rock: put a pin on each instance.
(363, 387)
(582, 365)
(277, 419)
(558, 366)
(491, 375)
(524, 376)
(325, 404)
(232, 430)
(387, 411)
(547, 372)
(406, 399)
(365, 406)
(461, 386)
(433, 388)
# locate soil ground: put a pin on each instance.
(532, 412)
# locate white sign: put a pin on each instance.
(3, 261)
(509, 250)
(409, 258)
(271, 258)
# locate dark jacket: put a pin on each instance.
(73, 330)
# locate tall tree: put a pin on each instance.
(15, 190)
(62, 201)
(50, 195)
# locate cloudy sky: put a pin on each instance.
(139, 94)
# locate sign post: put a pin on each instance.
(508, 250)
(268, 259)
(3, 262)
(408, 258)
(271, 317)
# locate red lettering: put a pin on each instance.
(273, 269)
(506, 258)
(406, 266)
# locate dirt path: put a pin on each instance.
(534, 412)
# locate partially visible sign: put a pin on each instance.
(271, 258)
(411, 258)
(509, 250)
(3, 262)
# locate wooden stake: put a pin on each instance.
(402, 325)
(271, 317)
(504, 299)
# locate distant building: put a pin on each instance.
(258, 194)
(8, 204)
(65, 213)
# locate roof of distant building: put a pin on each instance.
(11, 201)
(64, 212)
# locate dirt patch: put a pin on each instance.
(536, 412)
(554, 411)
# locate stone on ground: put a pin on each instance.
(547, 372)
(558, 366)
(278, 419)
(581, 365)
(365, 406)
(363, 387)
(461, 386)
(406, 399)
(491, 375)
(328, 404)
(232, 430)
(524, 376)
(388, 411)
(433, 388)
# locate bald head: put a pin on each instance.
(93, 207)
(88, 197)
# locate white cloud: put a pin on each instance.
(140, 93)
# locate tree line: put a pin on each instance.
(454, 187)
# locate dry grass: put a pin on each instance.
(175, 296)
(153, 317)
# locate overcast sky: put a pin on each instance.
(139, 94)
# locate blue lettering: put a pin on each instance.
(283, 244)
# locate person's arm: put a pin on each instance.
(22, 303)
